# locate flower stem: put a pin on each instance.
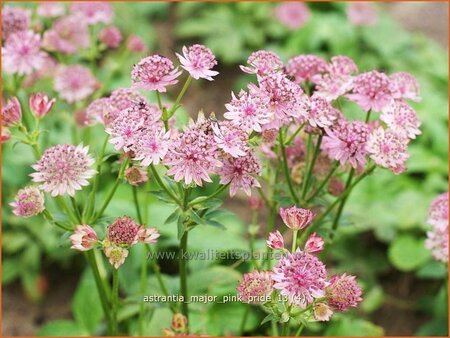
(136, 204)
(163, 186)
(323, 183)
(292, 137)
(115, 300)
(285, 167)
(337, 217)
(206, 198)
(179, 97)
(294, 240)
(310, 168)
(75, 208)
(244, 320)
(183, 274)
(274, 328)
(50, 218)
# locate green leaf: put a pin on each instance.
(173, 216)
(10, 270)
(407, 252)
(162, 196)
(432, 270)
(373, 299)
(161, 319)
(60, 328)
(181, 227)
(267, 319)
(346, 326)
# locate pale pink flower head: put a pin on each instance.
(249, 112)
(296, 218)
(322, 312)
(135, 44)
(438, 211)
(198, 60)
(388, 149)
(405, 86)
(22, 53)
(304, 67)
(124, 230)
(82, 119)
(50, 9)
(99, 109)
(262, 62)
(136, 175)
(29, 202)
(255, 287)
(343, 292)
(275, 240)
(68, 35)
(402, 119)
(6, 135)
(14, 19)
(84, 238)
(346, 143)
(342, 65)
(336, 186)
(371, 91)
(93, 12)
(123, 98)
(314, 243)
(63, 169)
(151, 146)
(148, 235)
(40, 104)
(230, 138)
(11, 112)
(47, 70)
(293, 15)
(111, 36)
(300, 277)
(74, 83)
(240, 173)
(115, 254)
(437, 237)
(362, 13)
(255, 203)
(321, 113)
(154, 72)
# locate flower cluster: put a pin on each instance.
(437, 241)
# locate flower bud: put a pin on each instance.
(275, 241)
(148, 235)
(28, 202)
(6, 135)
(296, 218)
(179, 322)
(322, 312)
(116, 254)
(314, 244)
(336, 187)
(11, 112)
(111, 37)
(40, 104)
(84, 238)
(136, 175)
(136, 44)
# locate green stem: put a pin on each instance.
(270, 225)
(274, 328)
(183, 274)
(163, 186)
(206, 198)
(136, 204)
(115, 300)
(310, 168)
(294, 240)
(323, 183)
(179, 97)
(337, 217)
(286, 169)
(50, 218)
(244, 320)
(75, 208)
(63, 205)
(285, 329)
(292, 137)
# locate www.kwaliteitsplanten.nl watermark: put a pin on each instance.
(212, 254)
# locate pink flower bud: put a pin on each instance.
(40, 104)
(296, 218)
(148, 235)
(29, 202)
(322, 312)
(179, 322)
(11, 112)
(111, 37)
(314, 243)
(136, 44)
(6, 135)
(116, 254)
(275, 241)
(255, 203)
(84, 238)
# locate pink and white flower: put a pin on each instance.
(111, 36)
(93, 12)
(296, 218)
(230, 138)
(322, 312)
(343, 292)
(361, 14)
(29, 202)
(40, 104)
(321, 113)
(135, 44)
(123, 231)
(84, 238)
(151, 146)
(135, 175)
(68, 35)
(50, 9)
(275, 240)
(74, 83)
(255, 287)
(404, 86)
(148, 235)
(11, 112)
(14, 20)
(305, 67)
(262, 62)
(115, 254)
(314, 243)
(154, 72)
(402, 119)
(198, 60)
(293, 15)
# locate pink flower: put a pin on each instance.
(123, 98)
(151, 146)
(404, 86)
(262, 62)
(343, 292)
(84, 238)
(99, 109)
(6, 135)
(82, 119)
(346, 143)
(22, 54)
(14, 20)
(29, 202)
(47, 70)
(240, 173)
(293, 15)
(74, 83)
(63, 169)
(314, 243)
(230, 138)
(388, 149)
(361, 14)
(304, 67)
(93, 12)
(300, 276)
(148, 235)
(154, 72)
(437, 241)
(275, 240)
(124, 230)
(11, 112)
(402, 119)
(371, 91)
(68, 35)
(136, 175)
(116, 254)
(438, 211)
(321, 113)
(255, 203)
(336, 186)
(198, 61)
(136, 44)
(255, 287)
(296, 218)
(125, 129)
(111, 36)
(322, 312)
(40, 104)
(50, 9)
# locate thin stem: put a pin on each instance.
(115, 300)
(337, 217)
(285, 329)
(307, 159)
(264, 197)
(310, 168)
(50, 218)
(75, 208)
(136, 204)
(158, 97)
(294, 240)
(270, 224)
(291, 138)
(274, 328)
(163, 186)
(63, 205)
(244, 320)
(323, 183)
(183, 274)
(143, 289)
(285, 167)
(206, 198)
(179, 97)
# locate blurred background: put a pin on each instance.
(385, 220)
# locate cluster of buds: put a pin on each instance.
(178, 327)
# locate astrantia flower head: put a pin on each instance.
(198, 60)
(124, 230)
(402, 119)
(230, 138)
(343, 292)
(136, 175)
(123, 98)
(6, 135)
(93, 12)
(14, 19)
(99, 110)
(40, 104)
(111, 36)
(68, 35)
(296, 218)
(321, 113)
(154, 72)
(404, 86)
(262, 62)
(314, 243)
(63, 169)
(371, 91)
(346, 143)
(361, 13)
(74, 83)
(300, 277)
(437, 241)
(151, 146)
(388, 149)
(240, 173)
(125, 129)
(22, 54)
(341, 65)
(116, 254)
(322, 312)
(275, 240)
(438, 211)
(84, 238)
(148, 235)
(304, 67)
(50, 9)
(255, 287)
(29, 202)
(135, 44)
(11, 112)
(293, 15)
